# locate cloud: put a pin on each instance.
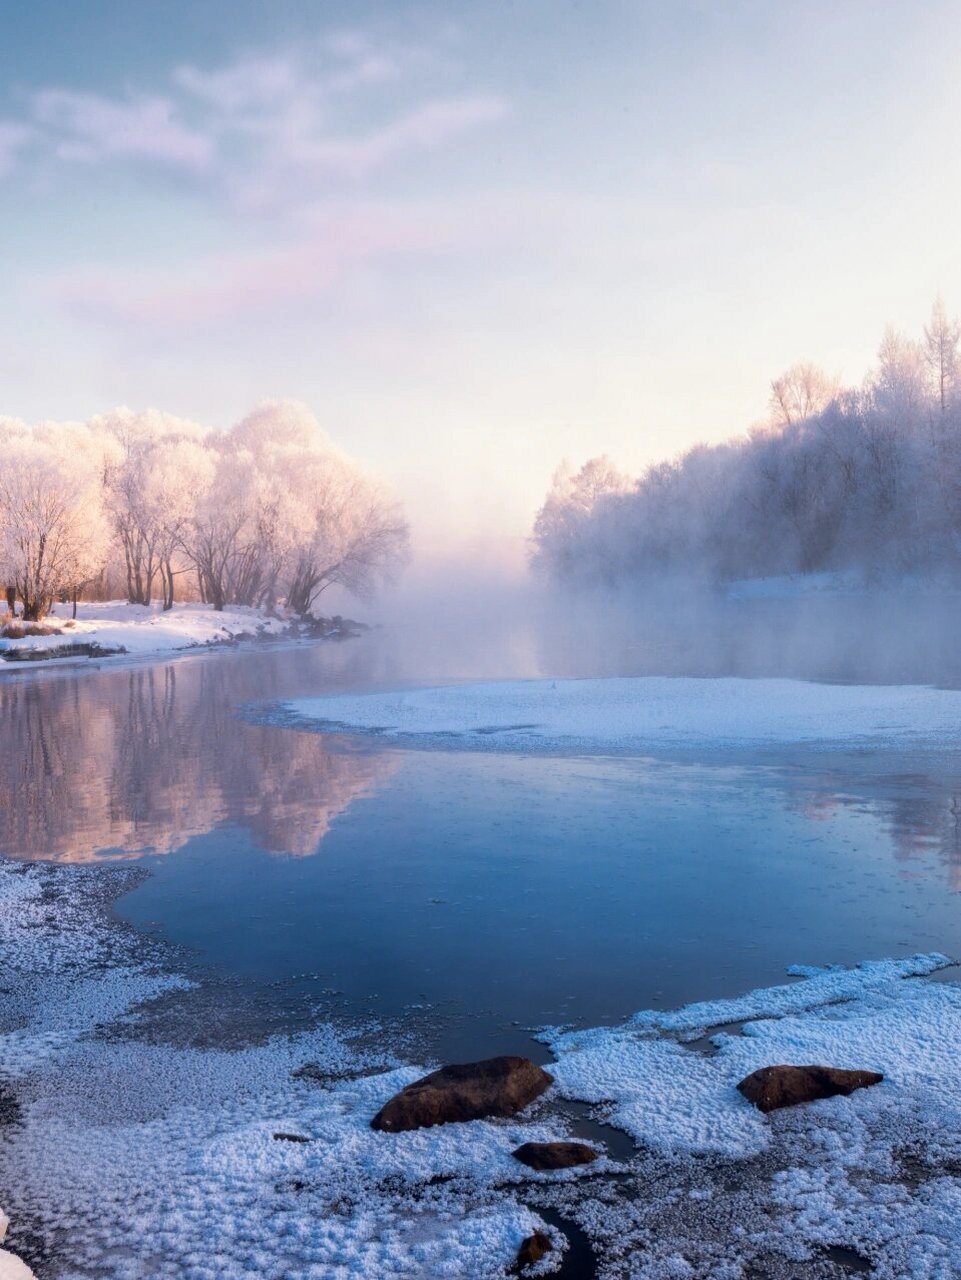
(233, 287)
(13, 139)
(265, 130)
(250, 83)
(259, 82)
(283, 144)
(90, 128)
(426, 127)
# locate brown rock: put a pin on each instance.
(555, 1155)
(465, 1091)
(786, 1086)
(533, 1249)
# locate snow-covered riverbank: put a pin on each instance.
(645, 713)
(115, 627)
(128, 1154)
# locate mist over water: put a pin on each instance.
(460, 625)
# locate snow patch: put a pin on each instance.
(643, 713)
(673, 1099)
(820, 987)
(138, 630)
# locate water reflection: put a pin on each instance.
(142, 759)
(884, 636)
(471, 894)
(918, 811)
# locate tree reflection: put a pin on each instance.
(919, 811)
(143, 759)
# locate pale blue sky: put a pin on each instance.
(474, 237)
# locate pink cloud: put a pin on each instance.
(89, 127)
(222, 287)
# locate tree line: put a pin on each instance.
(269, 512)
(836, 478)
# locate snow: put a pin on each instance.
(643, 713)
(139, 630)
(132, 1156)
(821, 987)
(876, 1171)
(157, 1160)
(673, 1099)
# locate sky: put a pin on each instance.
(475, 238)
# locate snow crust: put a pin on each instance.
(821, 987)
(140, 630)
(645, 712)
(149, 1159)
(876, 1172)
(670, 1098)
(132, 1157)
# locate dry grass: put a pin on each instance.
(17, 630)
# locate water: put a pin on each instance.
(463, 898)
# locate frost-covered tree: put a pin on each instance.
(941, 338)
(220, 537)
(147, 493)
(866, 478)
(286, 516)
(358, 538)
(266, 513)
(53, 531)
(574, 498)
(803, 391)
(181, 469)
(899, 384)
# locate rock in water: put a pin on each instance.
(555, 1155)
(533, 1249)
(786, 1086)
(464, 1091)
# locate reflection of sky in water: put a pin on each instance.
(499, 887)
(537, 889)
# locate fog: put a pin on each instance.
(471, 625)
(824, 543)
(859, 480)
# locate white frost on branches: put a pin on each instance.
(268, 512)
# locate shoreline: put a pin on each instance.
(79, 1049)
(157, 637)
